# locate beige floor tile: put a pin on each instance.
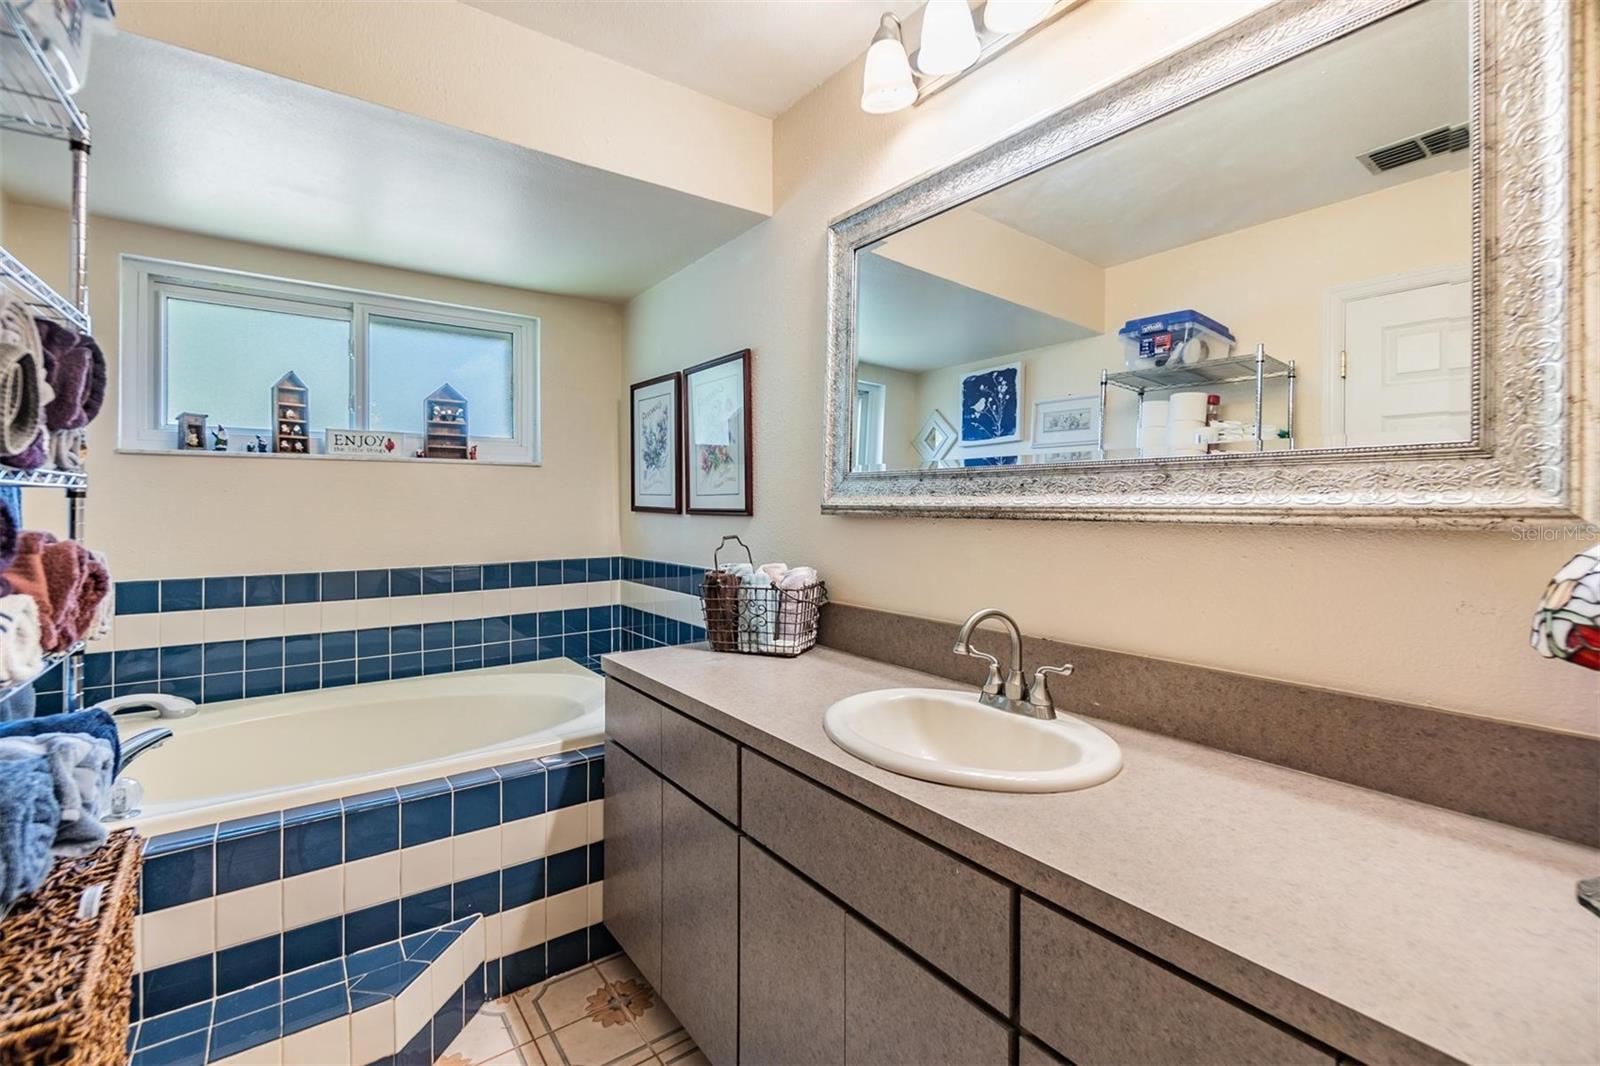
(562, 1000)
(693, 1057)
(617, 967)
(673, 1045)
(526, 1055)
(496, 1029)
(588, 1043)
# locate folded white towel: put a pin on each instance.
(799, 577)
(756, 609)
(775, 571)
(21, 656)
(737, 569)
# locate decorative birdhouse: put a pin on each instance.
(444, 418)
(291, 416)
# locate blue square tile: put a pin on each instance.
(524, 651)
(405, 639)
(371, 926)
(263, 682)
(438, 635)
(522, 969)
(224, 656)
(373, 669)
(249, 852)
(469, 632)
(139, 665)
(524, 575)
(338, 584)
(245, 964)
(496, 629)
(335, 675)
(340, 644)
(438, 662)
(597, 861)
(602, 642)
(566, 871)
(574, 571)
(246, 1031)
(187, 1050)
(522, 787)
(601, 942)
(372, 959)
(316, 943)
(425, 910)
(598, 569)
(97, 669)
(312, 977)
(437, 579)
(317, 1007)
(469, 658)
(163, 1027)
(177, 877)
(182, 594)
(467, 578)
(370, 642)
(524, 626)
(177, 660)
(424, 818)
(260, 653)
(167, 988)
(371, 825)
(448, 1021)
(597, 776)
(302, 678)
(263, 590)
(548, 647)
(302, 588)
(224, 592)
(477, 807)
(548, 571)
(491, 978)
(575, 648)
(406, 581)
(567, 952)
(372, 584)
(497, 654)
(403, 666)
(302, 649)
(248, 1001)
(574, 620)
(138, 597)
(314, 839)
(477, 988)
(419, 1049)
(550, 623)
(599, 618)
(497, 575)
(522, 884)
(568, 775)
(478, 895)
(221, 687)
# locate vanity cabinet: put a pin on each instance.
(700, 923)
(633, 859)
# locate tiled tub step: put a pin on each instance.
(402, 1002)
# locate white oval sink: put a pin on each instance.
(951, 738)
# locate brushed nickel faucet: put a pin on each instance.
(1009, 695)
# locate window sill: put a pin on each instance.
(199, 453)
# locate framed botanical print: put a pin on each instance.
(720, 465)
(991, 405)
(1069, 420)
(655, 428)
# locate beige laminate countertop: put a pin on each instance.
(1389, 929)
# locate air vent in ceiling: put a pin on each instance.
(1442, 141)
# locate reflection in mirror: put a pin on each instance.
(1283, 264)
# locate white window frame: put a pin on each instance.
(148, 283)
(870, 401)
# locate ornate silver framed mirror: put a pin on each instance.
(1334, 263)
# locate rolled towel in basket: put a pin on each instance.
(774, 571)
(21, 656)
(757, 611)
(81, 770)
(22, 396)
(29, 818)
(721, 594)
(797, 609)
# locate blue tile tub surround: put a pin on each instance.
(194, 865)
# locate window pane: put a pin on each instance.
(222, 361)
(407, 361)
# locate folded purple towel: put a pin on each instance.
(94, 394)
(8, 538)
(71, 365)
(30, 458)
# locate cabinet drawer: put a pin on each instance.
(634, 721)
(702, 763)
(954, 915)
(1096, 1001)
(897, 1012)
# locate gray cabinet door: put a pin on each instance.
(897, 1012)
(700, 924)
(791, 967)
(633, 859)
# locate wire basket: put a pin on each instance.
(758, 620)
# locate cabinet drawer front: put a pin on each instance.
(700, 924)
(634, 721)
(897, 1012)
(702, 763)
(1096, 1001)
(633, 859)
(952, 914)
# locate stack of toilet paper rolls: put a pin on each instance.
(1186, 417)
(1153, 429)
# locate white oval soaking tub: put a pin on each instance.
(246, 757)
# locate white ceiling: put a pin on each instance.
(195, 143)
(911, 320)
(1283, 142)
(760, 55)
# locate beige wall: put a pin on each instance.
(1430, 617)
(195, 515)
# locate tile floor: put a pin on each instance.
(601, 1013)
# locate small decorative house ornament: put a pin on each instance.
(192, 432)
(291, 403)
(1567, 623)
(445, 431)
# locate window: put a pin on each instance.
(214, 342)
(869, 425)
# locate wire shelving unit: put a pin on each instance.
(1257, 367)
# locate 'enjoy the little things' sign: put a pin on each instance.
(361, 442)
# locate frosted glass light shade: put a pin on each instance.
(886, 83)
(949, 40)
(1013, 16)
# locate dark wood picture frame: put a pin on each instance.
(675, 442)
(743, 357)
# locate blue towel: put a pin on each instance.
(20, 704)
(81, 772)
(97, 724)
(29, 816)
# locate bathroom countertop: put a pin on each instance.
(1389, 929)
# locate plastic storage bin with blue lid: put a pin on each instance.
(1177, 337)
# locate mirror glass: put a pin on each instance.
(1298, 244)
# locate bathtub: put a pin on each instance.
(246, 757)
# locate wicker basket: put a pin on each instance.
(758, 621)
(65, 976)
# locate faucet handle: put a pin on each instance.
(991, 683)
(1039, 691)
